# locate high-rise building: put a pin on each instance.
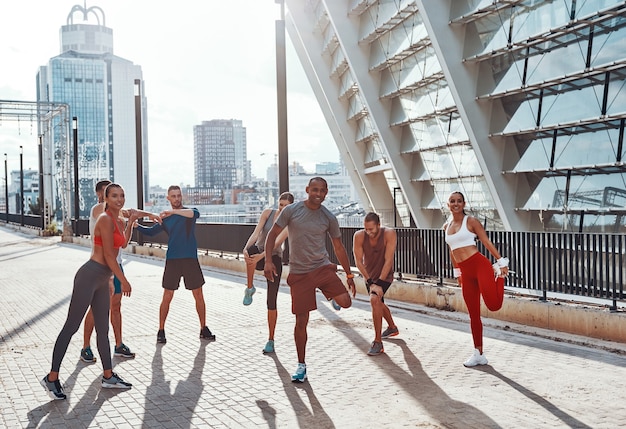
(521, 105)
(220, 154)
(101, 90)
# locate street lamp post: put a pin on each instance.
(41, 193)
(281, 93)
(76, 190)
(6, 187)
(21, 199)
(139, 144)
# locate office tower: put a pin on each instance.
(220, 154)
(518, 104)
(101, 90)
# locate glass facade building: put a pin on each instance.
(521, 105)
(100, 89)
(220, 154)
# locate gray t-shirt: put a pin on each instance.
(260, 242)
(308, 230)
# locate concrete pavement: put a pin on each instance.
(535, 379)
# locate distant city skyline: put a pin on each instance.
(232, 75)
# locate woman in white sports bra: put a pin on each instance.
(475, 273)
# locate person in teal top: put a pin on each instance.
(181, 259)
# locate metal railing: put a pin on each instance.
(590, 265)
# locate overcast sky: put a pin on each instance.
(201, 60)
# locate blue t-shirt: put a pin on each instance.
(181, 231)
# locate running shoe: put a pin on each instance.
(476, 359)
(335, 305)
(376, 349)
(269, 347)
(247, 297)
(206, 334)
(300, 374)
(390, 332)
(86, 355)
(161, 336)
(115, 382)
(53, 388)
(124, 351)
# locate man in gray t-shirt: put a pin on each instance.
(309, 222)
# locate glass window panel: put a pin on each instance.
(589, 7)
(532, 18)
(543, 196)
(476, 191)
(616, 97)
(512, 79)
(536, 156)
(524, 116)
(609, 47)
(451, 162)
(493, 31)
(571, 106)
(591, 192)
(586, 149)
(556, 63)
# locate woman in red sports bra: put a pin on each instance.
(91, 288)
(473, 270)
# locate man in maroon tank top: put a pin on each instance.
(374, 248)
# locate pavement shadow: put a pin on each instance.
(315, 417)
(567, 419)
(162, 403)
(85, 410)
(29, 324)
(434, 400)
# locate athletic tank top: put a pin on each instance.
(462, 238)
(118, 237)
(374, 256)
(269, 223)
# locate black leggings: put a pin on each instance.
(272, 287)
(91, 287)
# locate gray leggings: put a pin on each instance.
(91, 287)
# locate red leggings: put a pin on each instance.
(478, 278)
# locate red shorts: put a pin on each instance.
(303, 287)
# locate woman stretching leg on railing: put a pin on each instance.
(474, 272)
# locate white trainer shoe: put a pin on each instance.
(476, 359)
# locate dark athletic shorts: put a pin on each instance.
(303, 287)
(385, 289)
(187, 268)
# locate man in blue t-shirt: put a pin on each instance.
(181, 259)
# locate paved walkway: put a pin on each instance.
(532, 381)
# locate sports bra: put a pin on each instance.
(119, 239)
(462, 238)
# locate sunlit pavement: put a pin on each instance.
(532, 381)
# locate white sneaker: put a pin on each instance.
(476, 359)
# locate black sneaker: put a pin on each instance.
(53, 388)
(161, 336)
(206, 334)
(115, 382)
(124, 351)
